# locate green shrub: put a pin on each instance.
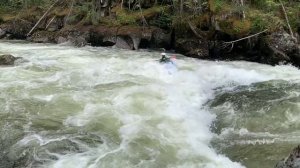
(294, 17)
(266, 5)
(125, 17)
(261, 21)
(164, 21)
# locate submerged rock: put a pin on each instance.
(8, 59)
(292, 161)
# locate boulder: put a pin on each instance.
(42, 37)
(17, 28)
(124, 43)
(161, 39)
(41, 40)
(60, 40)
(79, 41)
(2, 33)
(192, 47)
(281, 47)
(296, 57)
(129, 37)
(292, 161)
(136, 42)
(54, 24)
(75, 37)
(109, 41)
(103, 36)
(8, 59)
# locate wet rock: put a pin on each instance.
(292, 161)
(130, 37)
(61, 39)
(109, 41)
(17, 28)
(79, 41)
(124, 43)
(42, 37)
(161, 39)
(192, 47)
(2, 33)
(52, 28)
(103, 36)
(136, 42)
(296, 57)
(281, 47)
(77, 38)
(41, 40)
(8, 59)
(8, 37)
(54, 24)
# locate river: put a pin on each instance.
(102, 107)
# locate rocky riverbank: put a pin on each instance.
(274, 48)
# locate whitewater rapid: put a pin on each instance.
(104, 107)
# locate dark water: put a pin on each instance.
(259, 124)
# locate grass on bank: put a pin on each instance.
(260, 15)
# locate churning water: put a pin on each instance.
(109, 108)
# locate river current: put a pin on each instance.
(67, 107)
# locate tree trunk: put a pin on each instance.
(37, 23)
(287, 19)
(181, 7)
(243, 12)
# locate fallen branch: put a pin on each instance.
(243, 11)
(37, 23)
(287, 19)
(244, 38)
(50, 21)
(282, 54)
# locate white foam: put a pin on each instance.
(167, 108)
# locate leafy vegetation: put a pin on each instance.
(235, 17)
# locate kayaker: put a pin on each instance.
(164, 58)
